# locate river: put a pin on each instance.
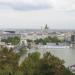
(67, 54)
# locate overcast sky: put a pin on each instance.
(58, 14)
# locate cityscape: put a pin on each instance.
(37, 37)
(42, 41)
(62, 39)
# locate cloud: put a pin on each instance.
(63, 4)
(25, 5)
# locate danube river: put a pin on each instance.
(67, 54)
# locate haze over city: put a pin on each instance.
(30, 14)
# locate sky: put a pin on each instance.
(30, 14)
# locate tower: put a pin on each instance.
(46, 29)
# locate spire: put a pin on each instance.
(46, 27)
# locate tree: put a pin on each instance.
(34, 64)
(8, 61)
(47, 65)
(29, 65)
(13, 40)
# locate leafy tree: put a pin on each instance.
(13, 40)
(8, 61)
(34, 64)
(30, 63)
(48, 65)
(48, 40)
